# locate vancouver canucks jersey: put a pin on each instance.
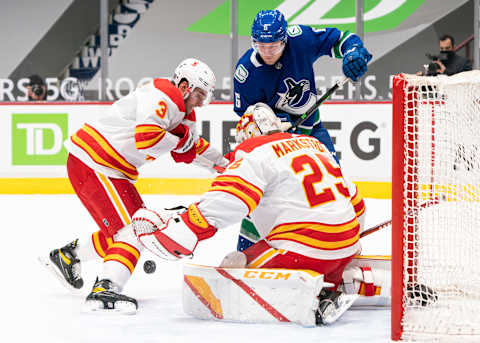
(289, 85)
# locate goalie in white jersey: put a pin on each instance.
(155, 119)
(293, 189)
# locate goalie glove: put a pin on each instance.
(171, 237)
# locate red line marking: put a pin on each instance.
(202, 299)
(270, 309)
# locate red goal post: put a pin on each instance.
(436, 208)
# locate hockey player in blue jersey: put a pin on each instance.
(278, 71)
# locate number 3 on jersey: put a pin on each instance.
(327, 194)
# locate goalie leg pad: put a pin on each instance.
(252, 295)
(235, 259)
(370, 277)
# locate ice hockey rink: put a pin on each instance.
(37, 308)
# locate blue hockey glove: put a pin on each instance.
(355, 62)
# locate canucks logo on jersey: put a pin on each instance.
(296, 93)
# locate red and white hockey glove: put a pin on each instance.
(185, 150)
(171, 238)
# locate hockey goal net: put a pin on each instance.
(436, 208)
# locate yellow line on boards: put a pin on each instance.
(376, 190)
(183, 186)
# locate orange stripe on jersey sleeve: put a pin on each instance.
(201, 145)
(147, 136)
(100, 151)
(235, 185)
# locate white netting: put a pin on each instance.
(442, 207)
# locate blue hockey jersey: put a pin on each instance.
(289, 85)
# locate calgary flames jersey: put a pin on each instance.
(137, 128)
(295, 194)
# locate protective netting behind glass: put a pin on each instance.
(441, 208)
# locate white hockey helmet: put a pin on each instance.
(197, 74)
(258, 120)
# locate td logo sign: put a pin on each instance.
(37, 139)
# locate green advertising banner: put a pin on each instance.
(37, 139)
(379, 15)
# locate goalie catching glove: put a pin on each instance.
(171, 237)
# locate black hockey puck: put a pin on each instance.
(149, 266)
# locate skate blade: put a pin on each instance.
(344, 303)
(97, 307)
(52, 268)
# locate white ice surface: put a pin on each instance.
(37, 308)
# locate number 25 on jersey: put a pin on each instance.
(309, 181)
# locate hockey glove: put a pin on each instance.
(355, 62)
(171, 238)
(185, 150)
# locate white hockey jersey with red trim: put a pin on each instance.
(137, 128)
(295, 193)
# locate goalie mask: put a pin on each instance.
(198, 75)
(258, 120)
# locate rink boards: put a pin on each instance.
(33, 157)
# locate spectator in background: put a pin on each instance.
(37, 90)
(448, 62)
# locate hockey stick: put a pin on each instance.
(386, 223)
(376, 228)
(314, 107)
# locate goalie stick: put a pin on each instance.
(386, 223)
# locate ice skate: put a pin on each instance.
(65, 266)
(105, 297)
(332, 305)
